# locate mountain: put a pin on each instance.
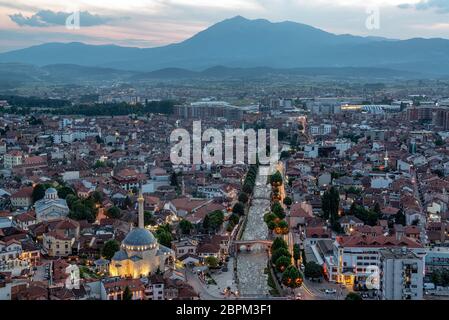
(243, 43)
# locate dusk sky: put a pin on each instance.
(149, 23)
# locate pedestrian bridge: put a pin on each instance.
(251, 245)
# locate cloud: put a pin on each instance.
(441, 6)
(48, 18)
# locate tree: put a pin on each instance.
(148, 219)
(164, 238)
(282, 227)
(109, 249)
(288, 201)
(353, 296)
(296, 252)
(399, 218)
(113, 213)
(278, 243)
(271, 225)
(292, 277)
(234, 219)
(279, 253)
(276, 178)
(313, 270)
(213, 220)
(97, 196)
(82, 209)
(377, 209)
(63, 192)
(247, 188)
(99, 164)
(282, 263)
(278, 210)
(239, 208)
(185, 226)
(330, 203)
(38, 193)
(174, 179)
(211, 261)
(268, 217)
(127, 294)
(243, 198)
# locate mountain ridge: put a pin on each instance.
(239, 42)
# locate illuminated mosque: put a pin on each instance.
(140, 253)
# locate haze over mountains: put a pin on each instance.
(239, 43)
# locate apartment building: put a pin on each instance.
(401, 275)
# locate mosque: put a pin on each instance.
(140, 253)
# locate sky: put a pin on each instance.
(151, 23)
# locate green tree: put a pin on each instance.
(276, 178)
(211, 261)
(174, 179)
(399, 218)
(185, 226)
(148, 219)
(282, 263)
(82, 210)
(64, 191)
(99, 164)
(109, 249)
(38, 193)
(330, 202)
(268, 217)
(296, 252)
(288, 201)
(313, 270)
(114, 213)
(239, 208)
(353, 296)
(271, 225)
(278, 243)
(278, 210)
(97, 196)
(234, 219)
(243, 198)
(292, 277)
(279, 253)
(214, 220)
(164, 238)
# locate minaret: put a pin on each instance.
(183, 187)
(141, 200)
(386, 159)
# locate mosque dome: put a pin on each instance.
(139, 238)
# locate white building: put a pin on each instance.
(51, 207)
(402, 275)
(12, 159)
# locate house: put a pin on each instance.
(114, 287)
(22, 198)
(300, 213)
(184, 246)
(26, 219)
(348, 223)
